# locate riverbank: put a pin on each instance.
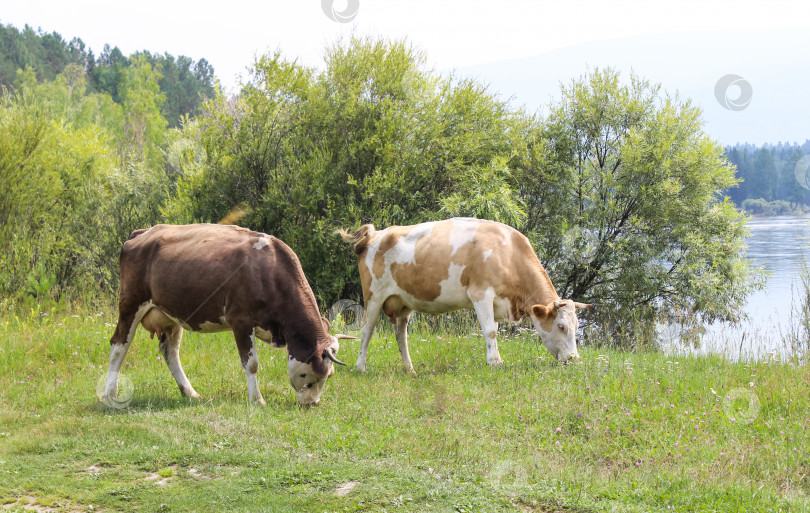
(761, 208)
(616, 432)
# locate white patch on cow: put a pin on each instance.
(262, 242)
(486, 254)
(453, 293)
(117, 354)
(507, 234)
(484, 310)
(463, 232)
(214, 327)
(305, 382)
(404, 251)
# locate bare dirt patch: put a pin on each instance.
(345, 488)
(31, 503)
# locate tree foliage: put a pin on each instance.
(628, 210)
(70, 192)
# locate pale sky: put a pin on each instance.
(454, 33)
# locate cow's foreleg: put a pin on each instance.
(246, 343)
(402, 339)
(373, 309)
(170, 349)
(485, 311)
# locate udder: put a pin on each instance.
(156, 321)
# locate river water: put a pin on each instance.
(780, 245)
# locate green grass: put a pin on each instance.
(617, 432)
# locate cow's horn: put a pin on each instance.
(331, 356)
(341, 336)
(582, 305)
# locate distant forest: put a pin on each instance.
(185, 83)
(768, 174)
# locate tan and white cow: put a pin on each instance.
(448, 265)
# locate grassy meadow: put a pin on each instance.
(618, 431)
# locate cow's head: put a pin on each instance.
(308, 378)
(557, 325)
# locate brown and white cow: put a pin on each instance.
(448, 265)
(209, 278)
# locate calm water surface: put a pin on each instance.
(780, 245)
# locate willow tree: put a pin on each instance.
(625, 205)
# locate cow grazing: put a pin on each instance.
(210, 278)
(442, 266)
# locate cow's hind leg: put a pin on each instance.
(373, 309)
(485, 311)
(246, 343)
(402, 339)
(128, 320)
(170, 349)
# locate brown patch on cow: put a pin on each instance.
(511, 268)
(388, 241)
(423, 278)
(254, 366)
(365, 279)
(546, 315)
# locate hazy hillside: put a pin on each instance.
(776, 65)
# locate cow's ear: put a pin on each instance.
(541, 311)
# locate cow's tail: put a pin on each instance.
(360, 237)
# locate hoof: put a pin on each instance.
(190, 393)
